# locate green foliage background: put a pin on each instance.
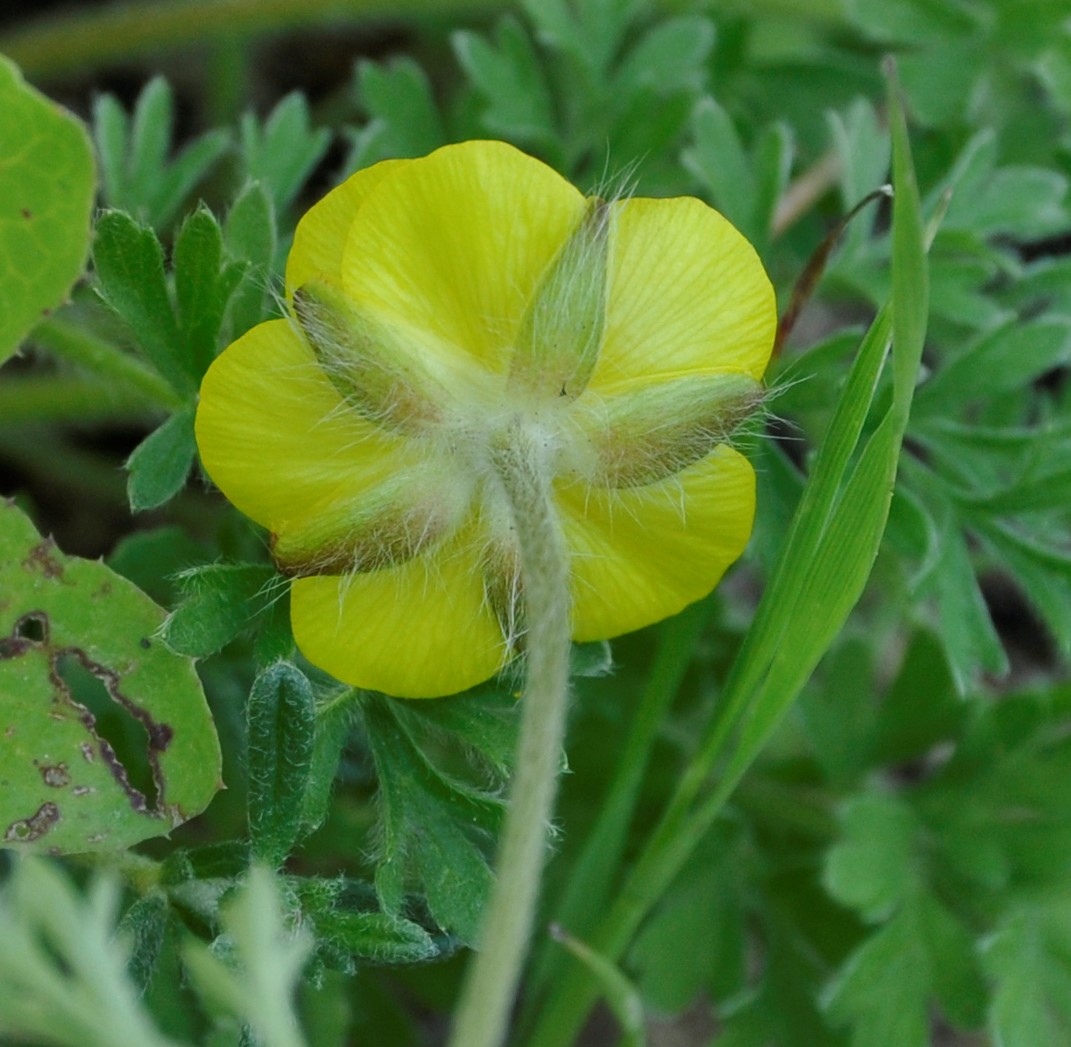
(887, 859)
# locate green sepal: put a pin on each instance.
(374, 367)
(658, 429)
(281, 717)
(561, 333)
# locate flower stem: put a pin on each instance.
(484, 1010)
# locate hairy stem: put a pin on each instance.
(483, 1015)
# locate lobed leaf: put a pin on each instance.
(65, 785)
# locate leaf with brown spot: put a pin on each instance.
(104, 740)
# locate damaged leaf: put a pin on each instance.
(105, 735)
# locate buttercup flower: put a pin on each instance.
(438, 308)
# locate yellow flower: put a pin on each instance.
(436, 305)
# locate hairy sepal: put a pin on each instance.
(561, 333)
(655, 431)
(374, 366)
(385, 527)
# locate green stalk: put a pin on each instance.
(66, 339)
(595, 869)
(486, 1001)
(99, 36)
(66, 398)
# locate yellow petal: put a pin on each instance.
(687, 292)
(456, 243)
(322, 232)
(421, 629)
(277, 439)
(644, 553)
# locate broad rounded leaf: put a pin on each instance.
(70, 628)
(47, 185)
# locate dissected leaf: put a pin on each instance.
(138, 175)
(221, 600)
(431, 824)
(64, 787)
(281, 152)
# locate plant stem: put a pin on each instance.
(484, 1011)
(65, 398)
(67, 339)
(80, 40)
(596, 868)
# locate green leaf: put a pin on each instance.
(256, 980)
(1030, 960)
(65, 788)
(47, 187)
(281, 153)
(873, 868)
(485, 719)
(138, 177)
(130, 267)
(1001, 361)
(334, 721)
(591, 32)
(203, 286)
(144, 925)
(669, 57)
(433, 825)
(883, 991)
(511, 80)
(838, 711)
(151, 559)
(249, 237)
(695, 942)
(346, 936)
(921, 708)
(221, 600)
(719, 161)
(962, 620)
(405, 118)
(1044, 572)
(63, 975)
(159, 466)
(281, 718)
